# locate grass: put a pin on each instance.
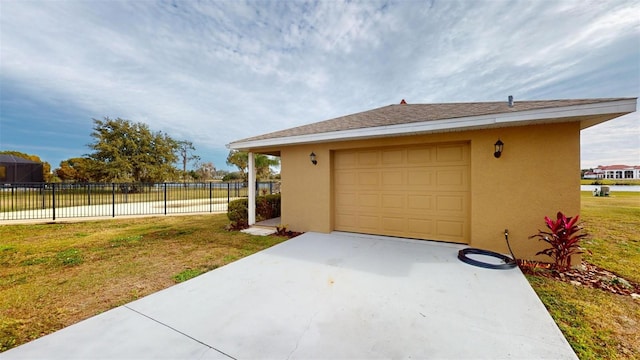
(613, 224)
(54, 275)
(609, 182)
(599, 324)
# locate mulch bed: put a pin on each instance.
(288, 233)
(586, 274)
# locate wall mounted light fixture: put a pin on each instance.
(312, 156)
(499, 145)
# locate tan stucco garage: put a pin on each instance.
(428, 171)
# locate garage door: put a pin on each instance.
(420, 192)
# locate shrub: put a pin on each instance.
(281, 230)
(238, 213)
(267, 207)
(563, 238)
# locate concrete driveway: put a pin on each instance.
(326, 296)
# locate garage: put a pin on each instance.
(405, 170)
(419, 191)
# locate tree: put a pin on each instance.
(263, 166)
(46, 167)
(239, 159)
(185, 152)
(206, 171)
(125, 151)
(220, 173)
(65, 172)
(262, 162)
(76, 169)
(232, 176)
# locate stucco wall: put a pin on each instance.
(537, 175)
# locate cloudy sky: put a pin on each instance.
(216, 71)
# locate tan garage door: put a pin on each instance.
(420, 192)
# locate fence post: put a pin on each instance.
(88, 194)
(210, 197)
(165, 198)
(43, 191)
(113, 199)
(53, 199)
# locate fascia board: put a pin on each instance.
(456, 124)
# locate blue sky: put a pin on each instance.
(214, 72)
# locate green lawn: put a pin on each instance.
(598, 324)
(610, 182)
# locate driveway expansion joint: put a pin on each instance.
(179, 332)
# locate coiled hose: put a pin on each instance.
(509, 262)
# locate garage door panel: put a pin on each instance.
(346, 160)
(347, 221)
(393, 158)
(345, 178)
(452, 204)
(420, 177)
(421, 156)
(450, 230)
(455, 154)
(368, 178)
(392, 178)
(368, 158)
(452, 177)
(369, 201)
(414, 191)
(392, 225)
(421, 228)
(369, 222)
(393, 201)
(346, 199)
(420, 202)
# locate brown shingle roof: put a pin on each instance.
(413, 113)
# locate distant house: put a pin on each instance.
(454, 172)
(14, 169)
(624, 172)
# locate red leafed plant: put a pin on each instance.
(564, 240)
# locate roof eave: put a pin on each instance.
(588, 115)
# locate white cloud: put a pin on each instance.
(600, 147)
(217, 71)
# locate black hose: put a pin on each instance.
(509, 262)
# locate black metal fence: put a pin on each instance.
(69, 200)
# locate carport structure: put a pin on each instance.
(454, 172)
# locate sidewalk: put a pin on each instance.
(106, 211)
